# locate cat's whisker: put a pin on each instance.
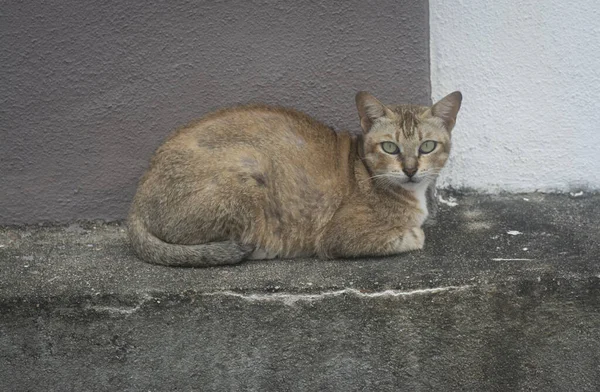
(385, 175)
(430, 174)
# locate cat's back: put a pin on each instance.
(279, 139)
(262, 126)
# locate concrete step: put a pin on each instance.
(505, 297)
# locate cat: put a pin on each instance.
(261, 182)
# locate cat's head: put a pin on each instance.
(406, 145)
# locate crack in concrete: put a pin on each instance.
(285, 298)
(121, 309)
(116, 309)
(291, 299)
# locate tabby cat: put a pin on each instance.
(260, 182)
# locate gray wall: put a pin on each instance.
(90, 88)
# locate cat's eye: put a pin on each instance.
(427, 147)
(390, 148)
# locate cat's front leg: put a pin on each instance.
(346, 241)
(412, 239)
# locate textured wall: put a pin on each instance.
(530, 76)
(89, 89)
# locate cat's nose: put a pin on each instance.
(409, 171)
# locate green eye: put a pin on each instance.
(427, 147)
(390, 148)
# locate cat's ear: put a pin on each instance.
(370, 109)
(447, 108)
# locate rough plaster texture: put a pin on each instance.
(529, 74)
(478, 309)
(89, 89)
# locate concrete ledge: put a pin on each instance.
(506, 296)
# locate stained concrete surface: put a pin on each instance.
(505, 296)
(90, 89)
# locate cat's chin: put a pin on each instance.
(414, 186)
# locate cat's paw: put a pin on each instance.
(262, 254)
(414, 239)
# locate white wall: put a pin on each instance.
(530, 76)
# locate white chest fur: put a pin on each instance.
(420, 193)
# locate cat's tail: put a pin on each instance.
(153, 250)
